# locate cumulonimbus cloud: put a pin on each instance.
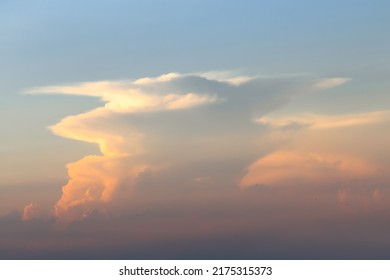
(177, 127)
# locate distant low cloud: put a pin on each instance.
(176, 128)
(31, 211)
(358, 200)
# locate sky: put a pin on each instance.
(194, 129)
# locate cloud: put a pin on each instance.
(95, 181)
(176, 128)
(258, 223)
(292, 168)
(31, 211)
(340, 150)
(358, 200)
(327, 122)
(330, 83)
(126, 97)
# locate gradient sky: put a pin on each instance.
(194, 129)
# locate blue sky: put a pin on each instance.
(45, 40)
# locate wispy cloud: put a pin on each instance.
(326, 122)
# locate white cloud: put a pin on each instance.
(330, 83)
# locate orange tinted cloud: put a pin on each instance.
(94, 182)
(143, 125)
(319, 150)
(31, 211)
(286, 168)
(362, 199)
